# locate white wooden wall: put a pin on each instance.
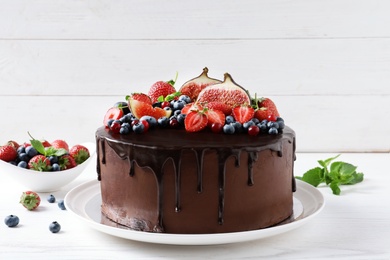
(325, 63)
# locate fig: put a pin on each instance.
(227, 92)
(194, 86)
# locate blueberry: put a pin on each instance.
(178, 105)
(229, 119)
(157, 104)
(273, 124)
(280, 121)
(163, 121)
(255, 120)
(22, 164)
(11, 220)
(61, 204)
(125, 129)
(53, 159)
(185, 98)
(151, 120)
(51, 198)
(246, 125)
(21, 149)
(123, 106)
(55, 167)
(54, 227)
(24, 157)
(31, 151)
(177, 112)
(237, 127)
(228, 129)
(180, 118)
(273, 131)
(263, 127)
(138, 128)
(109, 122)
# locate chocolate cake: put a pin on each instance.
(173, 181)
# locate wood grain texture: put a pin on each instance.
(326, 63)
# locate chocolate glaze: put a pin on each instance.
(156, 148)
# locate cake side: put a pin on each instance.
(200, 186)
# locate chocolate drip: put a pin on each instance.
(252, 157)
(199, 154)
(159, 152)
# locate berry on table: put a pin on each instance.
(51, 198)
(54, 227)
(61, 205)
(11, 220)
(30, 200)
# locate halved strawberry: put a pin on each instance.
(8, 153)
(191, 106)
(215, 116)
(216, 105)
(140, 109)
(243, 114)
(195, 121)
(112, 113)
(141, 97)
(39, 163)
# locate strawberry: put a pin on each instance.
(13, 143)
(243, 114)
(269, 104)
(8, 153)
(216, 105)
(112, 113)
(80, 153)
(67, 162)
(215, 116)
(191, 107)
(39, 163)
(195, 121)
(45, 143)
(264, 114)
(58, 144)
(266, 109)
(140, 109)
(141, 97)
(30, 200)
(161, 88)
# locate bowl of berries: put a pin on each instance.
(44, 166)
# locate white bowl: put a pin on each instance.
(46, 181)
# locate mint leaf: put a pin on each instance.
(333, 174)
(313, 176)
(38, 146)
(335, 188)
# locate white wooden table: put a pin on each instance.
(355, 225)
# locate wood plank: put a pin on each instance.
(202, 19)
(322, 123)
(271, 67)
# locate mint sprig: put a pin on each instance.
(49, 151)
(333, 174)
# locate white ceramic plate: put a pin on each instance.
(84, 202)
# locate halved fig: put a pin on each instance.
(227, 92)
(194, 86)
